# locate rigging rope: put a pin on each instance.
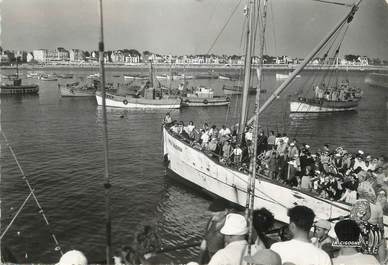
(223, 28)
(41, 211)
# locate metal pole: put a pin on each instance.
(247, 68)
(276, 93)
(107, 184)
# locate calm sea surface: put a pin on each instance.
(58, 142)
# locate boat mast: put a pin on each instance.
(347, 19)
(107, 184)
(251, 191)
(247, 66)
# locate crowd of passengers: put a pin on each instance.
(334, 174)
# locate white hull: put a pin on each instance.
(284, 76)
(138, 103)
(296, 106)
(197, 168)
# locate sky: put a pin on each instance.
(180, 27)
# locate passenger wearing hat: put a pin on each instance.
(348, 231)
(299, 250)
(322, 228)
(73, 257)
(234, 230)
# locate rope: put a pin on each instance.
(24, 177)
(223, 28)
(14, 218)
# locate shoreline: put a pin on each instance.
(215, 67)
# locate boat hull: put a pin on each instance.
(199, 169)
(204, 102)
(323, 106)
(141, 103)
(23, 89)
(76, 92)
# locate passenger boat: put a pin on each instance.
(203, 97)
(284, 76)
(313, 105)
(77, 90)
(194, 167)
(33, 75)
(224, 77)
(174, 77)
(377, 80)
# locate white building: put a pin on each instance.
(30, 57)
(40, 55)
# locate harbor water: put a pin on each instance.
(59, 144)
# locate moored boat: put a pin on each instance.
(237, 90)
(65, 76)
(377, 80)
(18, 88)
(135, 77)
(46, 77)
(284, 76)
(130, 101)
(77, 90)
(203, 97)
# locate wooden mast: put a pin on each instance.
(107, 184)
(247, 66)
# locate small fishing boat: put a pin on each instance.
(17, 88)
(224, 77)
(203, 97)
(33, 75)
(284, 76)
(206, 76)
(94, 76)
(132, 101)
(237, 90)
(377, 80)
(78, 90)
(65, 76)
(135, 77)
(46, 77)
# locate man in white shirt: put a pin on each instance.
(299, 250)
(348, 233)
(234, 230)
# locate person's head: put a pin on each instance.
(301, 220)
(284, 135)
(191, 123)
(224, 126)
(73, 257)
(322, 228)
(347, 231)
(264, 257)
(263, 220)
(235, 227)
(272, 133)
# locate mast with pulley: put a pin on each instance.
(247, 66)
(107, 184)
(253, 162)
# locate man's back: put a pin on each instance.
(355, 259)
(301, 253)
